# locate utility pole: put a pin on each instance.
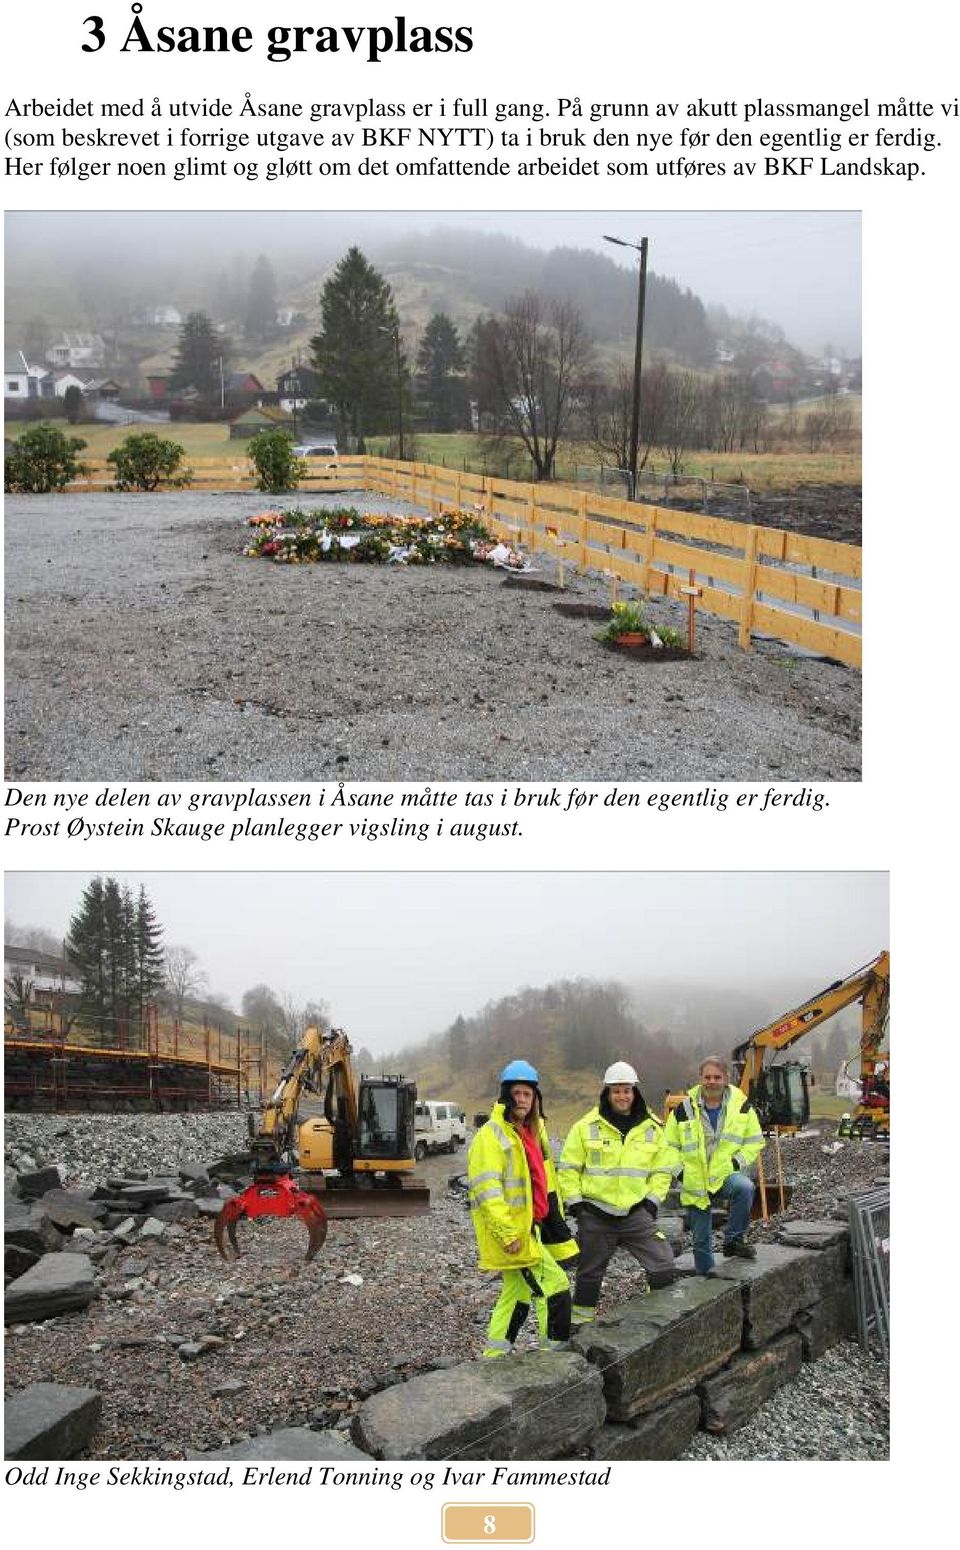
(641, 248)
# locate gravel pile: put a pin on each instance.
(193, 1353)
(141, 644)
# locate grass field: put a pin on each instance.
(758, 471)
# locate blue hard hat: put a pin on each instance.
(520, 1071)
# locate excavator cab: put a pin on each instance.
(386, 1109)
(781, 1096)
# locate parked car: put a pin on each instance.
(316, 449)
(438, 1127)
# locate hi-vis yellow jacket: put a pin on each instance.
(612, 1171)
(501, 1198)
(740, 1141)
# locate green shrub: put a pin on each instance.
(146, 462)
(42, 459)
(272, 455)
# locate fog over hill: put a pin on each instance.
(92, 269)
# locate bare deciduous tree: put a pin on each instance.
(537, 356)
(183, 976)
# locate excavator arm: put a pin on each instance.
(274, 1191)
(870, 985)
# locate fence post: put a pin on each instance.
(748, 583)
(531, 517)
(650, 536)
(582, 519)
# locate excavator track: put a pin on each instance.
(342, 1202)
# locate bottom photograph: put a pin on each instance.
(367, 1166)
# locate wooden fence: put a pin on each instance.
(768, 581)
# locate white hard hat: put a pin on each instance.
(620, 1072)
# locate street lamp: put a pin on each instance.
(641, 248)
(394, 330)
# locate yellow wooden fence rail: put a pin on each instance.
(769, 581)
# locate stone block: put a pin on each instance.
(49, 1421)
(777, 1284)
(57, 1283)
(175, 1210)
(67, 1209)
(194, 1177)
(542, 1405)
(732, 1396)
(293, 1443)
(30, 1186)
(17, 1260)
(831, 1319)
(663, 1433)
(29, 1226)
(812, 1235)
(656, 1347)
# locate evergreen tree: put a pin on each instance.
(201, 353)
(441, 362)
(149, 960)
(355, 353)
(114, 949)
(260, 315)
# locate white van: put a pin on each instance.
(440, 1127)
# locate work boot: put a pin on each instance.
(739, 1248)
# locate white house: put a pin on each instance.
(75, 349)
(21, 380)
(44, 971)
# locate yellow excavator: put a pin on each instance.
(779, 1090)
(352, 1160)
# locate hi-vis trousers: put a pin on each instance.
(545, 1286)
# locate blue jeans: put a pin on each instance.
(737, 1190)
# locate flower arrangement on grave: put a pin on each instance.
(298, 537)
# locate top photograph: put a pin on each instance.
(445, 496)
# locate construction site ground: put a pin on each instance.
(296, 1344)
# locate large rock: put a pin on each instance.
(29, 1227)
(194, 1177)
(136, 1196)
(49, 1421)
(30, 1186)
(658, 1346)
(777, 1284)
(731, 1397)
(17, 1260)
(175, 1210)
(67, 1209)
(832, 1319)
(294, 1442)
(663, 1433)
(813, 1235)
(58, 1283)
(542, 1405)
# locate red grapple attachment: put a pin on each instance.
(271, 1195)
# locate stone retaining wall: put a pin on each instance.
(637, 1384)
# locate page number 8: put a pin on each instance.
(489, 1524)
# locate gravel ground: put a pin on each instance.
(142, 645)
(301, 1345)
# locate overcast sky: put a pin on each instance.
(396, 956)
(798, 268)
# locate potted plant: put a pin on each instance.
(626, 627)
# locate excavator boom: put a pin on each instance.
(780, 1091)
